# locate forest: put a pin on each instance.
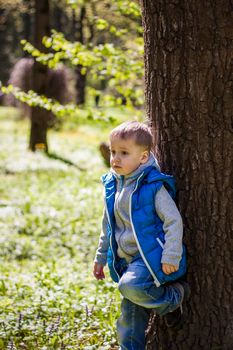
(70, 72)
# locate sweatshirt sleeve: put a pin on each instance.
(172, 226)
(102, 250)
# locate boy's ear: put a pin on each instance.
(145, 157)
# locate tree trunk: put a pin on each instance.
(80, 85)
(27, 23)
(9, 37)
(78, 29)
(39, 116)
(57, 17)
(189, 88)
(4, 67)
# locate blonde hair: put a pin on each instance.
(140, 132)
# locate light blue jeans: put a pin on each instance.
(140, 296)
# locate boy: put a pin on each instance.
(141, 235)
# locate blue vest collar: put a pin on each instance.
(150, 174)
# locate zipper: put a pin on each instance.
(156, 281)
(111, 236)
(160, 242)
(121, 181)
(117, 198)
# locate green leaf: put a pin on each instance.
(101, 24)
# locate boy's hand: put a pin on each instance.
(168, 268)
(98, 271)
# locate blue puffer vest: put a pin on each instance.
(146, 224)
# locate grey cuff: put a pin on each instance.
(101, 259)
(169, 259)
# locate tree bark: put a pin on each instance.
(189, 90)
(39, 116)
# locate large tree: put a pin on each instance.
(189, 94)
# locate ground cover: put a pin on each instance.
(49, 226)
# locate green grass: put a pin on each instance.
(50, 219)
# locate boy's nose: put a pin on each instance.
(116, 158)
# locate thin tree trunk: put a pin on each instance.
(9, 39)
(80, 85)
(4, 47)
(189, 90)
(27, 22)
(78, 28)
(57, 18)
(40, 117)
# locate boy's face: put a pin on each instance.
(126, 155)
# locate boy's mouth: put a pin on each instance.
(117, 166)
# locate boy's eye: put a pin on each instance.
(125, 153)
(113, 152)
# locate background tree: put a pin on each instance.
(39, 116)
(189, 88)
(27, 19)
(117, 60)
(93, 23)
(78, 32)
(58, 86)
(12, 13)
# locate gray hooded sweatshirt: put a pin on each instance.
(165, 208)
